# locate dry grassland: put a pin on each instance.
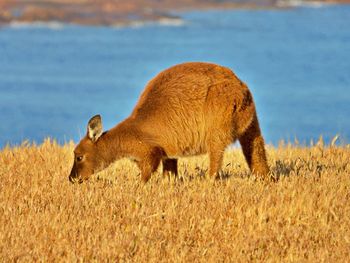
(305, 216)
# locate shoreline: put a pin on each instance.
(115, 14)
(129, 24)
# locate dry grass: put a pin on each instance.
(305, 216)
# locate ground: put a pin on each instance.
(305, 216)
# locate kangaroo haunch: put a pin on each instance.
(188, 109)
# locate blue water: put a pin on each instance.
(296, 62)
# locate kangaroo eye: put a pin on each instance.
(79, 158)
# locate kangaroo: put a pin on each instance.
(189, 109)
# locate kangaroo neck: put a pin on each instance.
(119, 142)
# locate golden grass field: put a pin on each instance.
(304, 217)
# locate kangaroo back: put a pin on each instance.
(186, 108)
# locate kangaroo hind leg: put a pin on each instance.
(216, 155)
(253, 148)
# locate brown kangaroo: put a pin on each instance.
(188, 109)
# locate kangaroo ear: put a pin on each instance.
(94, 129)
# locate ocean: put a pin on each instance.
(54, 77)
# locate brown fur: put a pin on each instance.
(188, 109)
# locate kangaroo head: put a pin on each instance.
(87, 156)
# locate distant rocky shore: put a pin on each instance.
(119, 13)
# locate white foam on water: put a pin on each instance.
(171, 22)
(301, 3)
(54, 25)
(167, 22)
